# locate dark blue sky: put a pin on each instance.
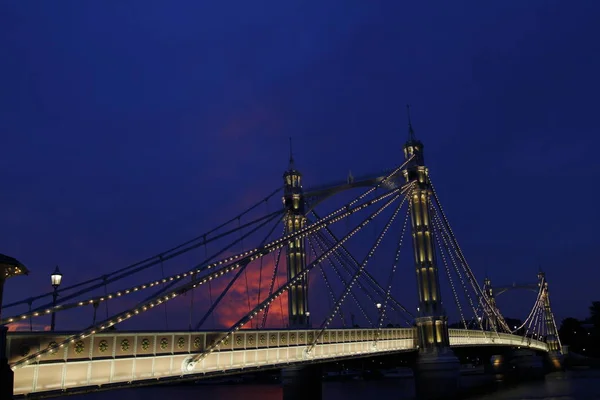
(127, 127)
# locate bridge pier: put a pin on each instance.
(437, 375)
(7, 376)
(301, 382)
(526, 364)
(496, 364)
(554, 361)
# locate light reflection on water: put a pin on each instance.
(580, 385)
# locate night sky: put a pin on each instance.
(129, 127)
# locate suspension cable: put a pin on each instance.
(483, 296)
(388, 292)
(363, 265)
(233, 280)
(271, 285)
(235, 327)
(151, 260)
(145, 266)
(173, 279)
(231, 263)
(437, 235)
(344, 283)
(323, 275)
(445, 240)
(367, 277)
(165, 307)
(223, 250)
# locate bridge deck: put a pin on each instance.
(112, 358)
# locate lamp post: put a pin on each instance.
(56, 279)
(9, 267)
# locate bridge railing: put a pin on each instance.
(110, 358)
(463, 337)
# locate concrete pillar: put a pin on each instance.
(301, 382)
(294, 221)
(437, 371)
(496, 364)
(6, 373)
(437, 376)
(526, 364)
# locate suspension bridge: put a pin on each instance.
(321, 256)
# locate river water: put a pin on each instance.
(576, 385)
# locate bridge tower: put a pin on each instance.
(552, 339)
(437, 370)
(294, 220)
(490, 321)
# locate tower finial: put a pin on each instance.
(291, 155)
(411, 132)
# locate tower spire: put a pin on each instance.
(291, 155)
(411, 132)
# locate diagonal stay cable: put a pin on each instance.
(367, 277)
(351, 264)
(446, 241)
(156, 262)
(483, 297)
(233, 280)
(171, 280)
(146, 260)
(388, 293)
(324, 275)
(231, 264)
(235, 327)
(343, 281)
(355, 277)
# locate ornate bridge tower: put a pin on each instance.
(294, 220)
(552, 339)
(437, 370)
(490, 321)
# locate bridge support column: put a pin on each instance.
(295, 220)
(437, 372)
(526, 364)
(6, 373)
(301, 382)
(496, 364)
(437, 376)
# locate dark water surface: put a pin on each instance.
(576, 385)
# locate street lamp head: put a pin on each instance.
(378, 305)
(10, 267)
(56, 278)
(308, 313)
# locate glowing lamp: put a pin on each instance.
(56, 278)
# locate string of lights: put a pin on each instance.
(366, 276)
(471, 277)
(118, 293)
(394, 267)
(445, 240)
(343, 281)
(272, 284)
(535, 306)
(235, 262)
(328, 220)
(324, 276)
(232, 281)
(375, 287)
(437, 234)
(348, 287)
(235, 327)
(147, 262)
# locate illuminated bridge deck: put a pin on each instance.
(114, 358)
